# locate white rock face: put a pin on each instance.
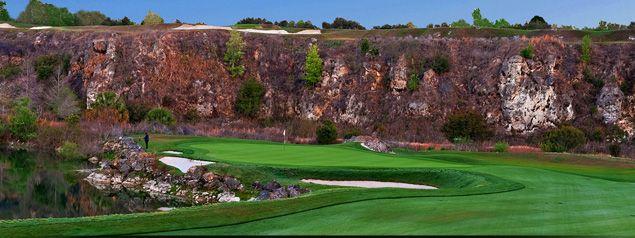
(418, 109)
(228, 197)
(399, 75)
(526, 104)
(610, 103)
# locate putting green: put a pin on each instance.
(480, 193)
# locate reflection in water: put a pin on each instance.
(34, 186)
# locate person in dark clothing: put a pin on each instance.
(146, 138)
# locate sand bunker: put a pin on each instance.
(6, 26)
(308, 32)
(275, 32)
(202, 27)
(183, 164)
(172, 152)
(368, 184)
(40, 27)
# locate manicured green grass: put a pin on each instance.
(480, 193)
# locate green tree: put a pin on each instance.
(313, 66)
(234, 54)
(161, 115)
(109, 100)
(90, 18)
(466, 126)
(249, 98)
(23, 121)
(502, 23)
(327, 133)
(461, 23)
(562, 139)
(152, 19)
(4, 14)
(527, 52)
(39, 13)
(413, 82)
(586, 49)
(537, 22)
(479, 21)
(364, 46)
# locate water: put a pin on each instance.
(35, 186)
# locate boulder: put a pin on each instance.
(228, 197)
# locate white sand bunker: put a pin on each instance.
(40, 27)
(202, 27)
(172, 152)
(183, 164)
(368, 184)
(6, 26)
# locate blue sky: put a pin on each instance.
(368, 12)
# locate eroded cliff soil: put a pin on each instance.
(185, 70)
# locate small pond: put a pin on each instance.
(37, 186)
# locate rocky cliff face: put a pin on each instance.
(185, 70)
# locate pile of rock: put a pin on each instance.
(133, 169)
(273, 191)
(372, 143)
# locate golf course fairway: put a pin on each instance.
(479, 194)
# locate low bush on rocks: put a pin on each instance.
(249, 98)
(501, 146)
(562, 139)
(9, 71)
(327, 133)
(69, 150)
(162, 116)
(466, 126)
(527, 52)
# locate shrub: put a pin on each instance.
(615, 134)
(466, 126)
(234, 54)
(249, 97)
(161, 115)
(627, 86)
(22, 123)
(440, 64)
(313, 66)
(108, 107)
(413, 82)
(351, 133)
(137, 112)
(589, 77)
(72, 120)
(615, 149)
(586, 49)
(152, 19)
(461, 23)
(502, 23)
(62, 101)
(327, 133)
(192, 116)
(69, 150)
(364, 46)
(9, 71)
(501, 146)
(527, 52)
(46, 65)
(562, 139)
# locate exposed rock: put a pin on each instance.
(418, 109)
(371, 143)
(399, 75)
(228, 197)
(528, 104)
(93, 160)
(609, 103)
(274, 190)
